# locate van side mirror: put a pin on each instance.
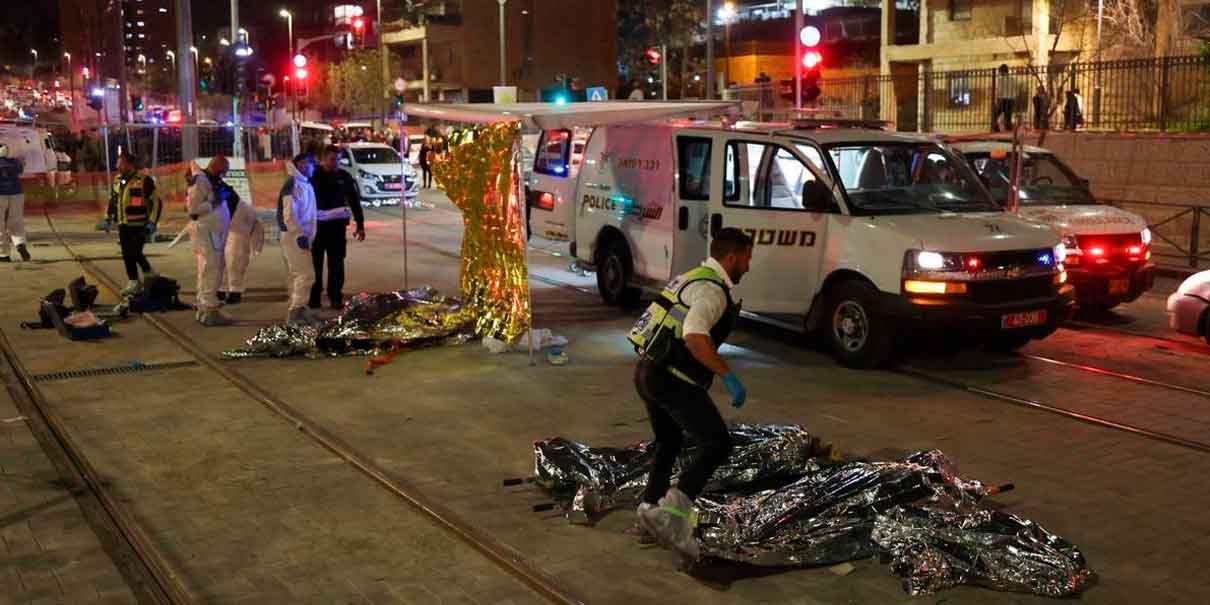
(816, 196)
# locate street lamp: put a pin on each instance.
(171, 57)
(193, 50)
(33, 66)
(727, 14)
(71, 82)
(142, 59)
(289, 17)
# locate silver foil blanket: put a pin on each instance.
(773, 504)
(591, 481)
(370, 324)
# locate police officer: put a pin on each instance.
(134, 204)
(12, 206)
(337, 201)
(678, 339)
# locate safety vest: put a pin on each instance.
(133, 207)
(658, 334)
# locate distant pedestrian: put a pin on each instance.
(336, 201)
(1072, 111)
(12, 207)
(296, 217)
(1041, 109)
(426, 151)
(1005, 95)
(210, 220)
(134, 205)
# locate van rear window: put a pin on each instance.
(553, 147)
(694, 154)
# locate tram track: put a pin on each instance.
(504, 557)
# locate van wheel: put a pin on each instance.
(614, 271)
(1007, 343)
(1205, 325)
(860, 335)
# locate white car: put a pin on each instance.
(376, 168)
(863, 236)
(1189, 306)
(1108, 249)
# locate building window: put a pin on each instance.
(959, 88)
(960, 10)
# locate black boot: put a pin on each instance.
(221, 295)
(23, 251)
(233, 298)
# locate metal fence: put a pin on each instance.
(1166, 94)
(1181, 232)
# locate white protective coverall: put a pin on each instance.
(296, 217)
(211, 220)
(245, 239)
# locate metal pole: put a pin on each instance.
(797, 57)
(403, 202)
(120, 32)
(386, 70)
(1096, 74)
(237, 146)
(293, 81)
(664, 69)
(71, 81)
(503, 70)
(709, 49)
(186, 78)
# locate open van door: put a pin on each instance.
(694, 156)
(550, 192)
(773, 191)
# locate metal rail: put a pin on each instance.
(511, 561)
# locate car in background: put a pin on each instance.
(1108, 249)
(376, 168)
(1189, 306)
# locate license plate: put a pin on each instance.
(390, 185)
(1023, 320)
(1119, 286)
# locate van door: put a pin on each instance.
(763, 195)
(694, 155)
(551, 188)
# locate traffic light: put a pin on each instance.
(136, 102)
(811, 58)
(359, 31)
(653, 56)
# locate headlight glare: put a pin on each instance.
(1146, 236)
(930, 261)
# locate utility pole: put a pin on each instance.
(386, 70)
(797, 59)
(709, 49)
(237, 149)
(186, 80)
(503, 70)
(120, 33)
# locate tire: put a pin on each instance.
(1205, 325)
(1007, 343)
(858, 332)
(614, 273)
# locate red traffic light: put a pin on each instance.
(812, 59)
(84, 72)
(654, 56)
(300, 73)
(300, 60)
(358, 24)
(809, 36)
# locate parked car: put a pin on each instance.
(1189, 306)
(1108, 249)
(377, 169)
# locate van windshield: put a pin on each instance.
(907, 178)
(1045, 181)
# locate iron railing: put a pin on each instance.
(1176, 231)
(1166, 94)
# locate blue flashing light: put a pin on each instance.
(560, 169)
(1044, 259)
(560, 100)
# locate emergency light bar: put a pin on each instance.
(822, 123)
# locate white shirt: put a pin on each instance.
(706, 301)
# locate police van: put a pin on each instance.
(1108, 249)
(864, 236)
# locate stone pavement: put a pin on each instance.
(248, 508)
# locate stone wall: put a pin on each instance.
(1139, 167)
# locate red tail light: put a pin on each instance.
(545, 201)
(973, 263)
(1096, 251)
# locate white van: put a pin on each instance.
(861, 234)
(35, 147)
(1108, 249)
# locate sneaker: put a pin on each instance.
(24, 252)
(645, 537)
(132, 287)
(211, 318)
(234, 298)
(673, 523)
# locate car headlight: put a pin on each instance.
(927, 261)
(361, 174)
(1146, 236)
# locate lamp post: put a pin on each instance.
(33, 66)
(1096, 86)
(289, 17)
(386, 70)
(172, 58)
(503, 70)
(709, 49)
(71, 83)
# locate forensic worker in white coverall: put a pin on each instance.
(297, 218)
(245, 239)
(210, 220)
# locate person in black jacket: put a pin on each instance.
(337, 201)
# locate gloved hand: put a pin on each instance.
(303, 242)
(739, 394)
(150, 230)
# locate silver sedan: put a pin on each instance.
(1189, 306)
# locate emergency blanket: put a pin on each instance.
(776, 503)
(371, 324)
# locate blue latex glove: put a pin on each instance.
(739, 394)
(303, 242)
(150, 230)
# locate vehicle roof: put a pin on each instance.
(824, 135)
(315, 125)
(364, 145)
(989, 146)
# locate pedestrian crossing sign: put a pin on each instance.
(597, 93)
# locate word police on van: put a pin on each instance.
(862, 235)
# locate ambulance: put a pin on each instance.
(865, 237)
(1108, 249)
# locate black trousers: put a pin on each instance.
(1003, 106)
(132, 240)
(428, 176)
(331, 241)
(676, 408)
